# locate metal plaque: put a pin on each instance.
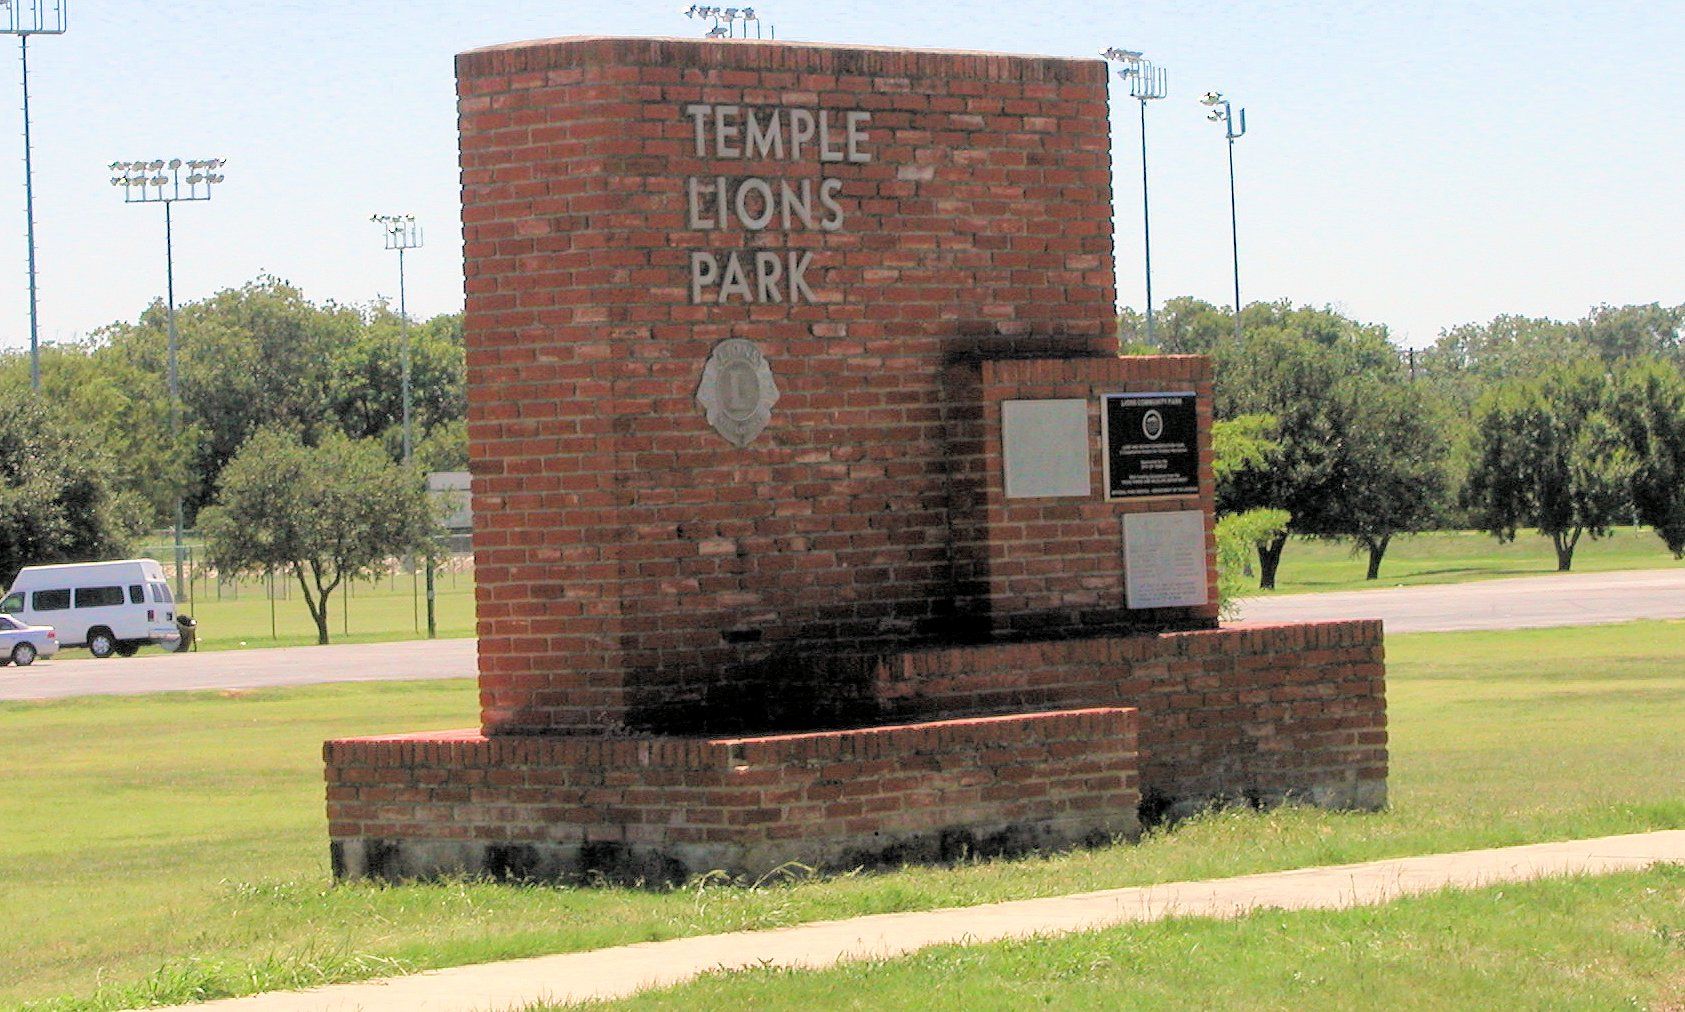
(737, 391)
(1152, 444)
(1164, 559)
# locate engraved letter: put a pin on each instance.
(802, 205)
(735, 281)
(755, 222)
(694, 187)
(725, 132)
(801, 131)
(720, 203)
(857, 136)
(799, 263)
(768, 269)
(827, 196)
(699, 113)
(767, 142)
(827, 153)
(704, 271)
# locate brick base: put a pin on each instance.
(663, 809)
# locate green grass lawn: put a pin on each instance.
(173, 847)
(1459, 556)
(1595, 943)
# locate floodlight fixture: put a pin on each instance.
(34, 17)
(726, 19)
(157, 181)
(1222, 111)
(161, 182)
(1147, 82)
(25, 18)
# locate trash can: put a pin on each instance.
(189, 637)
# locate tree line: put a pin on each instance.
(290, 411)
(1326, 429)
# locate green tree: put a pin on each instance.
(57, 503)
(1550, 454)
(1288, 364)
(1390, 463)
(326, 513)
(1241, 444)
(256, 356)
(1189, 326)
(366, 390)
(1627, 332)
(1649, 406)
(123, 414)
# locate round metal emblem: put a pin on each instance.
(737, 392)
(1152, 424)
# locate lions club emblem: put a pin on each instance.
(737, 392)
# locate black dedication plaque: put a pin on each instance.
(1152, 445)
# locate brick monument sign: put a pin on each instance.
(816, 516)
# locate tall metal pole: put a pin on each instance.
(1222, 111)
(161, 182)
(23, 19)
(1146, 222)
(29, 226)
(175, 376)
(1234, 241)
(404, 357)
(402, 234)
(1146, 82)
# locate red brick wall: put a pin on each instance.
(1246, 713)
(627, 555)
(556, 806)
(1059, 563)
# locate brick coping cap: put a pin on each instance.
(769, 54)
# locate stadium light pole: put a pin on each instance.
(161, 182)
(1222, 112)
(1146, 83)
(402, 233)
(24, 18)
(726, 20)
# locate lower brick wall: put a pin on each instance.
(1255, 714)
(660, 809)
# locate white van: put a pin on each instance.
(108, 607)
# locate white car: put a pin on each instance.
(20, 644)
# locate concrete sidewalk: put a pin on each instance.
(623, 970)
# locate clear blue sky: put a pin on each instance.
(1415, 164)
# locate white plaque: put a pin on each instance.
(1164, 559)
(1044, 446)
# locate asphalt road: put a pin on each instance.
(1530, 602)
(80, 675)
